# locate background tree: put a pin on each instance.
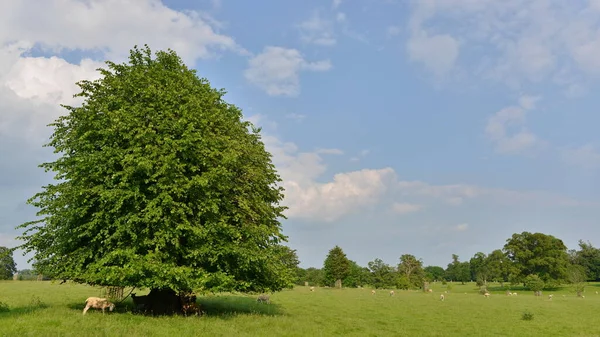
(382, 274)
(434, 273)
(576, 276)
(588, 257)
(314, 277)
(358, 276)
(162, 185)
(8, 266)
(458, 271)
(336, 266)
(540, 254)
(499, 267)
(411, 269)
(479, 268)
(534, 283)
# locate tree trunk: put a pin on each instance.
(163, 302)
(338, 283)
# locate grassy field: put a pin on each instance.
(50, 309)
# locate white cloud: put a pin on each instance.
(100, 25)
(295, 116)
(438, 53)
(50, 80)
(393, 30)
(277, 70)
(309, 197)
(340, 17)
(336, 3)
(461, 227)
(514, 41)
(361, 154)
(459, 194)
(405, 208)
(317, 30)
(586, 156)
(501, 127)
(329, 151)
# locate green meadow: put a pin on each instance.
(31, 308)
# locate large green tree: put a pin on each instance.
(336, 266)
(160, 183)
(588, 257)
(458, 271)
(539, 254)
(7, 264)
(411, 269)
(358, 276)
(434, 273)
(382, 274)
(480, 270)
(499, 266)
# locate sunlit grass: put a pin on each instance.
(47, 309)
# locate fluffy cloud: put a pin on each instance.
(438, 53)
(405, 208)
(586, 156)
(317, 30)
(513, 41)
(277, 70)
(500, 124)
(461, 227)
(96, 25)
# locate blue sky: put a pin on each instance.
(424, 127)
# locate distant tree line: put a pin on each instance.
(535, 260)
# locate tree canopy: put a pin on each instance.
(540, 254)
(7, 264)
(160, 183)
(336, 266)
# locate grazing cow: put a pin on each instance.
(263, 299)
(487, 295)
(550, 296)
(373, 292)
(442, 297)
(312, 288)
(430, 290)
(514, 294)
(392, 293)
(97, 303)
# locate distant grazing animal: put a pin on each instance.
(372, 292)
(514, 294)
(140, 303)
(487, 295)
(442, 297)
(97, 303)
(392, 293)
(263, 299)
(429, 290)
(312, 288)
(550, 296)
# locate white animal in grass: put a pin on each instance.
(98, 303)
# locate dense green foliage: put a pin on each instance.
(300, 312)
(588, 257)
(7, 264)
(411, 270)
(534, 283)
(336, 266)
(524, 254)
(160, 184)
(539, 254)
